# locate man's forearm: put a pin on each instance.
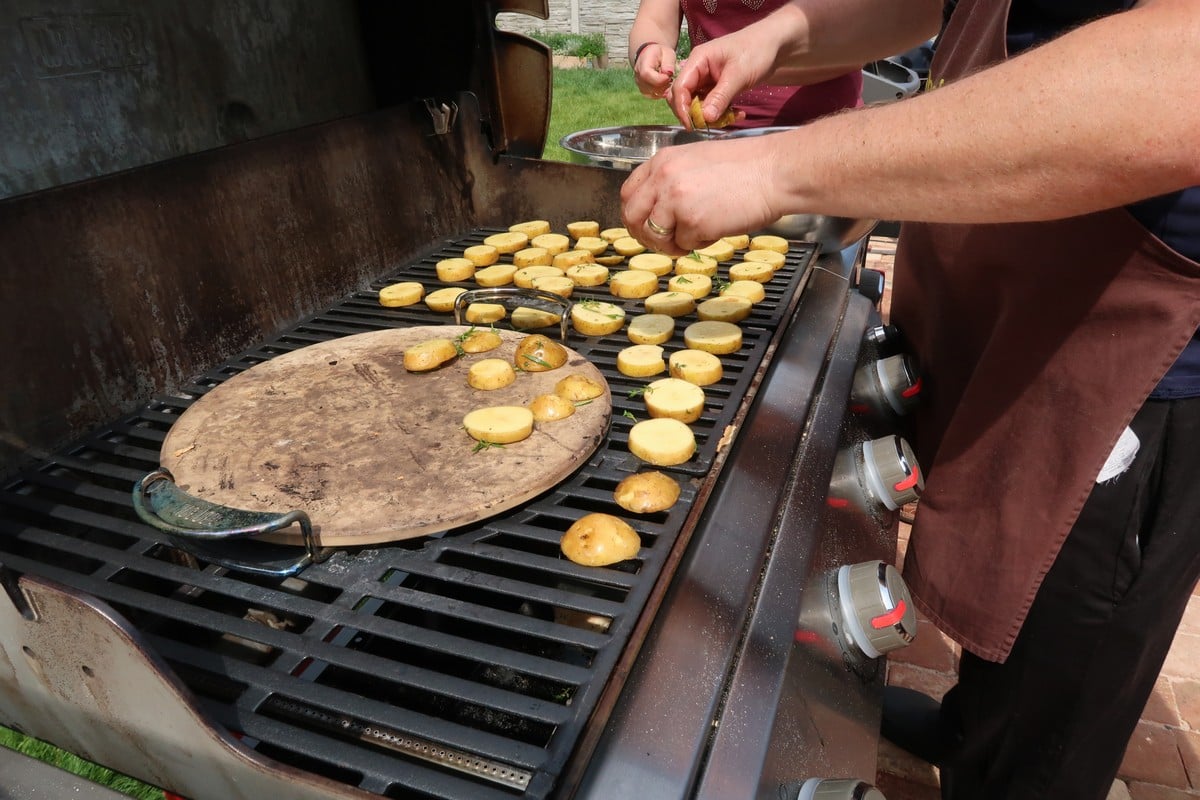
(1101, 117)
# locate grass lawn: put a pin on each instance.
(598, 98)
(77, 766)
(583, 98)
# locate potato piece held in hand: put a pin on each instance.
(597, 540)
(647, 492)
(538, 353)
(696, 111)
(499, 424)
(429, 355)
(550, 407)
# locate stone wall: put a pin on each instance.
(613, 18)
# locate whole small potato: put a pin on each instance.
(578, 388)
(551, 407)
(647, 492)
(597, 540)
(538, 353)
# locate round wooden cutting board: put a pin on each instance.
(374, 453)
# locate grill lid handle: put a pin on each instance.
(222, 535)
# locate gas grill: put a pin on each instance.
(737, 655)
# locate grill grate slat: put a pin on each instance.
(516, 644)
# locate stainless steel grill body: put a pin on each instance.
(469, 665)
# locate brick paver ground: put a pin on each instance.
(1163, 759)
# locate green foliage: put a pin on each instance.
(684, 48)
(598, 98)
(77, 766)
(580, 45)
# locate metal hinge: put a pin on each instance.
(442, 114)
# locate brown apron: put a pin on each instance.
(1038, 342)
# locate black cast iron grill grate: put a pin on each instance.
(463, 665)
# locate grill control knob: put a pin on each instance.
(890, 384)
(877, 609)
(891, 473)
(819, 789)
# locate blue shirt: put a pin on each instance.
(1173, 218)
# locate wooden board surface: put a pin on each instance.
(372, 452)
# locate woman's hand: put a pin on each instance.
(654, 70)
(689, 196)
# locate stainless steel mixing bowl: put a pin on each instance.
(623, 147)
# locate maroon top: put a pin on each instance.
(769, 105)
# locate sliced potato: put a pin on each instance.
(651, 328)
(673, 304)
(610, 260)
(696, 112)
(490, 374)
(570, 258)
(759, 271)
(696, 263)
(430, 354)
(578, 388)
(658, 263)
(405, 293)
(593, 244)
(538, 353)
(525, 318)
(726, 308)
(588, 274)
(495, 275)
(551, 407)
(663, 442)
(674, 398)
(442, 300)
(479, 340)
(713, 336)
(647, 492)
(612, 234)
(695, 284)
(721, 250)
(695, 366)
(633, 283)
(509, 242)
(560, 285)
(776, 260)
(628, 246)
(597, 540)
(532, 257)
(499, 424)
(739, 241)
(641, 361)
(751, 290)
(485, 313)
(454, 270)
(768, 241)
(525, 276)
(531, 228)
(482, 255)
(583, 228)
(597, 318)
(554, 243)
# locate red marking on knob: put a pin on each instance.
(913, 390)
(891, 618)
(909, 482)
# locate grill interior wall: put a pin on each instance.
(120, 287)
